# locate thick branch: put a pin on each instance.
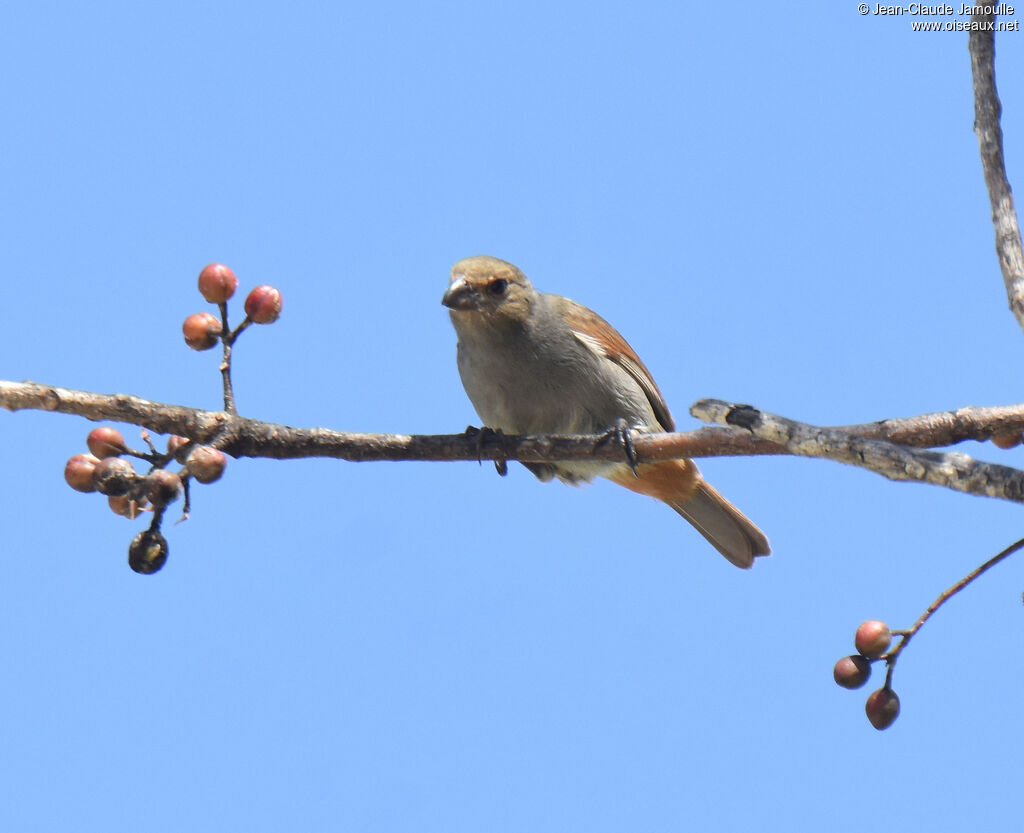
(987, 111)
(897, 462)
(752, 432)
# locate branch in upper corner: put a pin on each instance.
(987, 111)
(897, 462)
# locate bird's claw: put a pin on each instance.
(481, 435)
(622, 435)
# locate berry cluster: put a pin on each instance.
(872, 642)
(217, 284)
(130, 493)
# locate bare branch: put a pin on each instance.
(750, 432)
(897, 462)
(928, 430)
(241, 437)
(987, 111)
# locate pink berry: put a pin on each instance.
(206, 464)
(852, 671)
(78, 472)
(121, 505)
(217, 283)
(105, 442)
(263, 305)
(882, 708)
(201, 330)
(873, 638)
(1006, 441)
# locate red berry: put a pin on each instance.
(206, 464)
(113, 476)
(201, 330)
(121, 505)
(147, 552)
(263, 305)
(163, 487)
(106, 442)
(1006, 441)
(217, 283)
(882, 708)
(78, 472)
(852, 671)
(873, 638)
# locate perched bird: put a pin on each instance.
(534, 363)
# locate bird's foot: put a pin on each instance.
(622, 435)
(482, 435)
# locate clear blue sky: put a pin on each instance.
(777, 205)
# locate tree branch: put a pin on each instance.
(926, 430)
(747, 431)
(242, 437)
(897, 462)
(987, 111)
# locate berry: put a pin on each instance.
(263, 305)
(852, 671)
(121, 505)
(206, 464)
(163, 487)
(175, 444)
(147, 552)
(106, 442)
(1006, 441)
(201, 330)
(882, 708)
(873, 638)
(78, 472)
(113, 476)
(217, 283)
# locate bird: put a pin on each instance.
(537, 363)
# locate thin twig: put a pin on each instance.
(945, 596)
(227, 339)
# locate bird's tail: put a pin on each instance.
(727, 529)
(679, 484)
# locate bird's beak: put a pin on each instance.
(460, 295)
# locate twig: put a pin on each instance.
(228, 339)
(945, 596)
(227, 342)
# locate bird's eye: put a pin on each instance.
(498, 286)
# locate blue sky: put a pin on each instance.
(773, 206)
